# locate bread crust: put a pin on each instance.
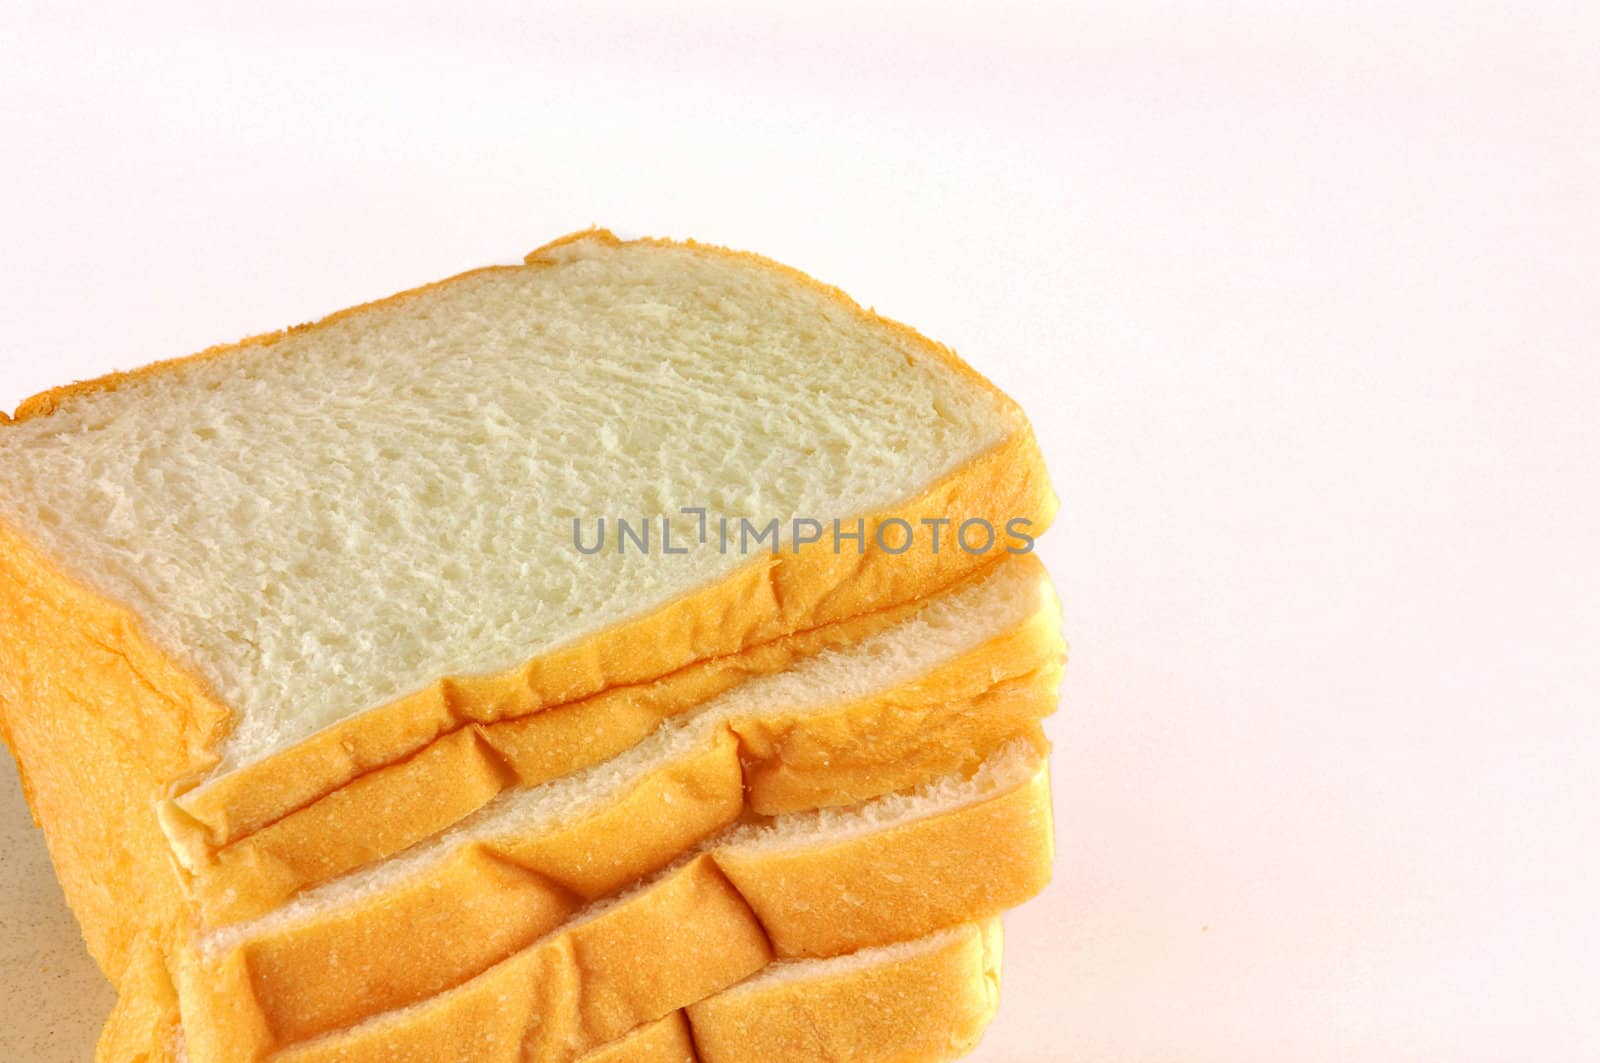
(928, 1007)
(144, 1026)
(481, 901)
(100, 721)
(924, 1008)
(590, 983)
(594, 979)
(664, 1041)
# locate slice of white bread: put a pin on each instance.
(335, 519)
(943, 684)
(815, 884)
(923, 1001)
(970, 674)
(247, 579)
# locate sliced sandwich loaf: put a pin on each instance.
(352, 667)
(319, 552)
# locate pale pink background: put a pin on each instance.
(1301, 298)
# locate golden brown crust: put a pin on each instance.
(144, 1024)
(928, 1007)
(590, 984)
(663, 1041)
(595, 979)
(925, 1008)
(921, 876)
(485, 899)
(99, 721)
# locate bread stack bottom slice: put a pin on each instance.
(823, 884)
(914, 1002)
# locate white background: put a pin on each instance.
(1302, 300)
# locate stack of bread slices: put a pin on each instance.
(635, 654)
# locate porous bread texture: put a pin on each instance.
(942, 632)
(957, 851)
(326, 523)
